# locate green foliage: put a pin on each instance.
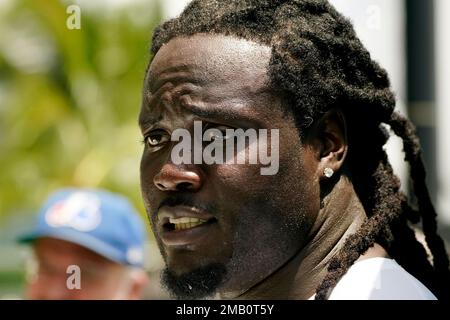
(69, 99)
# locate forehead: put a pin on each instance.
(57, 249)
(210, 59)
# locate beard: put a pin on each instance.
(200, 283)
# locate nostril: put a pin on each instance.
(172, 178)
(161, 186)
(184, 186)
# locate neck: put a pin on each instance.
(340, 215)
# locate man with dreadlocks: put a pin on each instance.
(332, 223)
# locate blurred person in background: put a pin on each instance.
(88, 244)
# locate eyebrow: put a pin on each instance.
(211, 113)
(148, 121)
(214, 113)
(180, 73)
(174, 74)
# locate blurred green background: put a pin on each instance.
(69, 101)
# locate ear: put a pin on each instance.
(329, 141)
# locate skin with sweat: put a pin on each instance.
(275, 234)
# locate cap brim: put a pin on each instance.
(84, 240)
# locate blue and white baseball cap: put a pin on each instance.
(101, 221)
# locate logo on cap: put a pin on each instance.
(81, 211)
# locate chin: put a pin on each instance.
(199, 283)
(181, 261)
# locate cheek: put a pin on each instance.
(147, 173)
(297, 181)
(301, 189)
(292, 188)
(267, 217)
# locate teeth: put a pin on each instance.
(186, 222)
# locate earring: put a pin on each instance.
(328, 172)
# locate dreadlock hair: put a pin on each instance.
(318, 63)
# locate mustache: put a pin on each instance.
(188, 201)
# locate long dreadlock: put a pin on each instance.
(319, 63)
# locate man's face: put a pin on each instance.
(99, 277)
(254, 223)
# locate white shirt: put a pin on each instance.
(379, 279)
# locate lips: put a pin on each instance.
(182, 225)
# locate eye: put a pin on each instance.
(217, 132)
(212, 134)
(156, 139)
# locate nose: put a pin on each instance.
(173, 177)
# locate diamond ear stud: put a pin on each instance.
(328, 172)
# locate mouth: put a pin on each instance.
(185, 223)
(182, 226)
